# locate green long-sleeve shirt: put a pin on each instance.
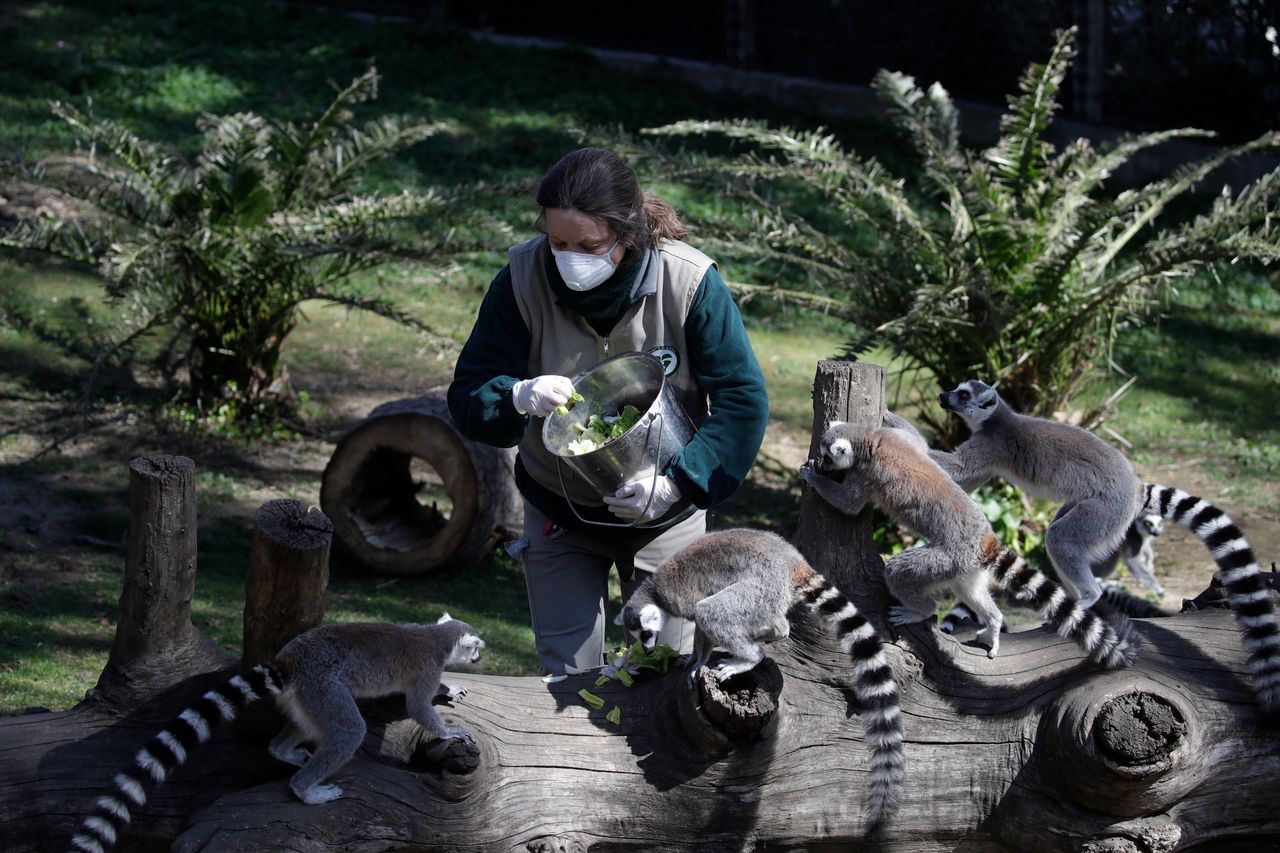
(707, 470)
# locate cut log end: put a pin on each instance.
(163, 467)
(294, 525)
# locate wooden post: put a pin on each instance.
(837, 546)
(155, 643)
(288, 574)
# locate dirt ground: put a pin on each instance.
(43, 511)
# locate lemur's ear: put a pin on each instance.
(617, 620)
(987, 397)
(444, 617)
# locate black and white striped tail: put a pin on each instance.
(1116, 600)
(1238, 570)
(167, 751)
(876, 691)
(1108, 642)
(957, 615)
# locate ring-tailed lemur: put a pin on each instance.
(1139, 558)
(737, 586)
(1114, 600)
(315, 680)
(1100, 494)
(1137, 552)
(891, 466)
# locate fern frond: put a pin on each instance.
(343, 159)
(1149, 203)
(1021, 152)
(61, 238)
(151, 163)
(300, 146)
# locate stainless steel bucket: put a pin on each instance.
(664, 428)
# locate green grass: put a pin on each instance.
(1208, 368)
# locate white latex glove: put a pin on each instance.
(540, 396)
(628, 502)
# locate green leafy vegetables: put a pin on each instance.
(563, 408)
(599, 430)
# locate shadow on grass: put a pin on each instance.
(1214, 358)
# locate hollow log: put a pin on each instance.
(1035, 750)
(379, 505)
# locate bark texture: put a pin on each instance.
(288, 574)
(378, 504)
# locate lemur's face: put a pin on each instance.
(1150, 524)
(467, 649)
(842, 447)
(645, 623)
(972, 400)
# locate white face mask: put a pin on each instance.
(582, 271)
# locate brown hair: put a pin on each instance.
(596, 182)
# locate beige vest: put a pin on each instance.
(565, 344)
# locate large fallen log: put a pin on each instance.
(1034, 750)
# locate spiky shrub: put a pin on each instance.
(1011, 264)
(224, 251)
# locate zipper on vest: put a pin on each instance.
(605, 341)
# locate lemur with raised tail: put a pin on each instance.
(737, 586)
(1139, 558)
(1114, 600)
(1101, 495)
(891, 466)
(315, 680)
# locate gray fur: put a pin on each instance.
(1101, 495)
(1137, 552)
(737, 586)
(1098, 489)
(952, 560)
(316, 679)
(960, 554)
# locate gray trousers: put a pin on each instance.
(567, 576)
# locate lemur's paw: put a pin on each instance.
(900, 614)
(808, 472)
(317, 794)
(454, 691)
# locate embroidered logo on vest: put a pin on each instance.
(669, 357)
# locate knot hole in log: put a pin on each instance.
(717, 716)
(1123, 745)
(1139, 732)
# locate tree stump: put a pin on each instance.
(155, 643)
(832, 542)
(288, 575)
(378, 502)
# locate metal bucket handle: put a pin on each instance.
(657, 448)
